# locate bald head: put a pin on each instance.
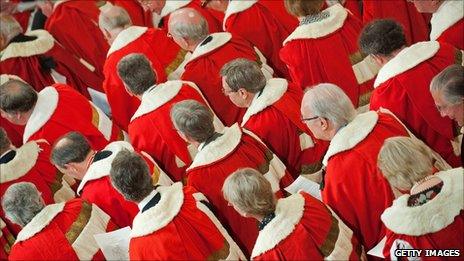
(8, 30)
(72, 147)
(189, 24)
(113, 18)
(17, 96)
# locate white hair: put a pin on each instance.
(115, 17)
(193, 31)
(9, 27)
(22, 202)
(450, 82)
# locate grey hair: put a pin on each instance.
(71, 147)
(382, 37)
(116, 17)
(195, 32)
(404, 161)
(243, 73)
(9, 27)
(5, 142)
(328, 101)
(450, 82)
(17, 96)
(136, 72)
(249, 191)
(22, 202)
(193, 119)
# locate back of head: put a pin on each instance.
(243, 73)
(404, 161)
(22, 202)
(249, 191)
(328, 101)
(382, 37)
(114, 17)
(136, 72)
(9, 28)
(5, 142)
(71, 147)
(193, 119)
(130, 176)
(450, 82)
(17, 96)
(189, 24)
(301, 8)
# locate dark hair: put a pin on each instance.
(301, 8)
(71, 147)
(4, 141)
(243, 73)
(382, 37)
(17, 96)
(136, 72)
(130, 176)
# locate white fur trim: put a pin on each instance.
(47, 102)
(289, 212)
(126, 37)
(335, 21)
(434, 215)
(87, 65)
(6, 77)
(366, 70)
(306, 141)
(352, 134)
(219, 39)
(277, 171)
(172, 6)
(272, 92)
(41, 45)
(21, 164)
(265, 68)
(40, 221)
(85, 245)
(65, 193)
(57, 3)
(179, 162)
(236, 7)
(407, 59)
(102, 167)
(449, 13)
(105, 125)
(159, 216)
(218, 148)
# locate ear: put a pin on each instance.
(324, 123)
(378, 59)
(243, 93)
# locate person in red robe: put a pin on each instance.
(39, 60)
(31, 163)
(209, 53)
(267, 33)
(402, 85)
(431, 215)
(62, 231)
(281, 14)
(325, 36)
(447, 20)
(298, 227)
(270, 104)
(163, 142)
(93, 172)
(169, 215)
(55, 111)
(139, 16)
(220, 154)
(13, 131)
(7, 240)
(164, 55)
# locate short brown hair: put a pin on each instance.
(17, 96)
(301, 8)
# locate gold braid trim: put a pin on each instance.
(79, 224)
(356, 57)
(57, 183)
(311, 168)
(264, 168)
(364, 98)
(176, 62)
(329, 244)
(458, 57)
(95, 117)
(220, 254)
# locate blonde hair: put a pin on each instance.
(249, 191)
(300, 8)
(404, 161)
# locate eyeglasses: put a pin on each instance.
(309, 119)
(226, 92)
(204, 3)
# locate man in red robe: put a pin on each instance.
(162, 142)
(31, 163)
(139, 16)
(273, 115)
(13, 131)
(169, 215)
(93, 172)
(62, 231)
(325, 36)
(164, 55)
(220, 154)
(55, 111)
(447, 20)
(6, 240)
(281, 14)
(402, 85)
(39, 60)
(209, 53)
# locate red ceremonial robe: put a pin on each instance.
(13, 131)
(280, 13)
(96, 186)
(139, 17)
(215, 161)
(60, 109)
(163, 142)
(302, 229)
(63, 231)
(23, 60)
(74, 24)
(181, 220)
(402, 86)
(164, 54)
(6, 240)
(32, 164)
(354, 187)
(438, 224)
(267, 33)
(448, 24)
(204, 66)
(274, 116)
(415, 24)
(327, 51)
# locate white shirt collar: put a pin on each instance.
(147, 199)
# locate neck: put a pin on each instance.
(88, 161)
